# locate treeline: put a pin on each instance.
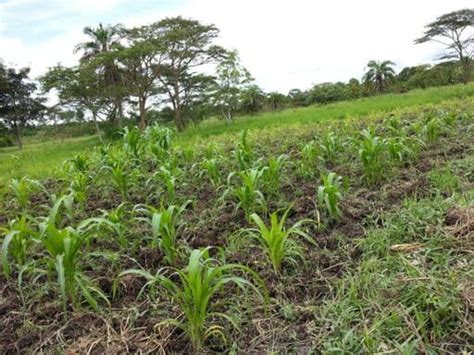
(174, 70)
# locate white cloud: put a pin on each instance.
(285, 44)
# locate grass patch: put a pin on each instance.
(38, 159)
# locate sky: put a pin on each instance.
(285, 44)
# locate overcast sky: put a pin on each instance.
(285, 44)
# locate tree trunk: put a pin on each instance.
(16, 131)
(179, 119)
(97, 128)
(227, 116)
(141, 103)
(120, 112)
(466, 68)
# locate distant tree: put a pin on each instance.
(140, 62)
(187, 46)
(104, 39)
(276, 100)
(252, 99)
(452, 30)
(423, 76)
(354, 89)
(379, 75)
(328, 92)
(408, 72)
(78, 88)
(19, 106)
(297, 97)
(232, 79)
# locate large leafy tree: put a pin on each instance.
(188, 46)
(232, 79)
(379, 75)
(78, 88)
(19, 106)
(454, 31)
(140, 61)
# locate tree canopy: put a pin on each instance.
(454, 31)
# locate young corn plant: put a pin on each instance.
(329, 195)
(22, 189)
(165, 223)
(63, 246)
(158, 142)
(119, 178)
(309, 159)
(211, 151)
(394, 125)
(433, 130)
(372, 155)
(18, 237)
(272, 173)
(196, 290)
(210, 167)
(168, 178)
(397, 149)
(244, 153)
(276, 240)
(329, 147)
(79, 164)
(158, 136)
(250, 198)
(79, 186)
(132, 141)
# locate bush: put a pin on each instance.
(5, 141)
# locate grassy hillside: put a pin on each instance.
(40, 157)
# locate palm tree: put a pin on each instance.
(276, 100)
(103, 39)
(379, 75)
(252, 99)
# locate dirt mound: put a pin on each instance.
(459, 222)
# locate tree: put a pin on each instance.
(78, 87)
(187, 46)
(18, 104)
(298, 97)
(252, 99)
(379, 75)
(276, 100)
(104, 40)
(328, 92)
(354, 89)
(452, 30)
(140, 63)
(232, 78)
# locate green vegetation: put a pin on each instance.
(338, 228)
(377, 260)
(39, 159)
(275, 240)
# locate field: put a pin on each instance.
(345, 228)
(43, 154)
